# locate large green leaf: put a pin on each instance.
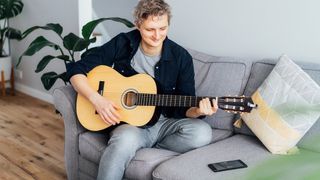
(36, 45)
(75, 43)
(63, 76)
(45, 61)
(57, 28)
(90, 26)
(10, 8)
(48, 79)
(303, 165)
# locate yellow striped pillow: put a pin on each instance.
(288, 105)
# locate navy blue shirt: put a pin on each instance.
(174, 73)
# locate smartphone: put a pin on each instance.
(227, 165)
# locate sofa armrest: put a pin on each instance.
(65, 102)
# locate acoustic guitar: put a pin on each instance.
(137, 97)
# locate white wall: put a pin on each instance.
(113, 8)
(41, 12)
(243, 28)
(249, 28)
(85, 13)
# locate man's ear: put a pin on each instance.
(137, 26)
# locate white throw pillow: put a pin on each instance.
(288, 105)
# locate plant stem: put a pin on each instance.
(67, 50)
(65, 62)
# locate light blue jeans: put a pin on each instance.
(179, 135)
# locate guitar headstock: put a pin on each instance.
(236, 104)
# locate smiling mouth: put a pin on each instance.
(156, 40)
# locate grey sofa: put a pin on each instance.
(215, 76)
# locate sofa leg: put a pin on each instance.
(12, 92)
(3, 84)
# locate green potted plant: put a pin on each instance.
(8, 9)
(71, 44)
(303, 165)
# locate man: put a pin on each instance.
(146, 50)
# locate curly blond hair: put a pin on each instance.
(145, 8)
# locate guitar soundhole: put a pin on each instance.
(130, 99)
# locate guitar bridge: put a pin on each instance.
(100, 90)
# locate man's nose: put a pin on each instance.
(156, 34)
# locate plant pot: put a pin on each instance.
(5, 65)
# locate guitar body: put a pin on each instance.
(115, 89)
(137, 98)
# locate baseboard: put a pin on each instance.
(34, 92)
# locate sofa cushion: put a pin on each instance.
(259, 72)
(88, 168)
(92, 145)
(145, 161)
(193, 165)
(220, 134)
(220, 76)
(289, 104)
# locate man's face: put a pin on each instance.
(154, 30)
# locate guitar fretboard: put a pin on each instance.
(168, 100)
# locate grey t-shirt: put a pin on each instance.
(145, 64)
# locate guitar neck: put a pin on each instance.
(168, 100)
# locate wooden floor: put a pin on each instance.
(31, 139)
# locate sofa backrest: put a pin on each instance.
(260, 70)
(220, 76)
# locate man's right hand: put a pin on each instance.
(107, 109)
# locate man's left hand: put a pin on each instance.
(205, 107)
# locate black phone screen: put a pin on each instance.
(227, 165)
